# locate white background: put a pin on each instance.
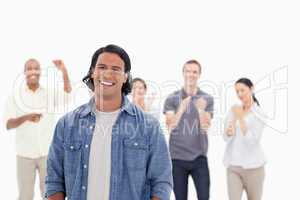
(231, 39)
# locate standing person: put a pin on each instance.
(139, 91)
(244, 157)
(33, 122)
(108, 149)
(188, 116)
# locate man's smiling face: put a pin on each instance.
(32, 72)
(109, 75)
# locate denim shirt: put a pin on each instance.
(140, 161)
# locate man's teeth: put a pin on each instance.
(106, 83)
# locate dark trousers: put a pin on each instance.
(199, 171)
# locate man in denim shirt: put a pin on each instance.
(122, 156)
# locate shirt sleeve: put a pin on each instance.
(55, 170)
(160, 167)
(228, 119)
(10, 110)
(169, 105)
(255, 126)
(210, 107)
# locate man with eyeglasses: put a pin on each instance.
(108, 149)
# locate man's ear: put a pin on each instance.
(126, 77)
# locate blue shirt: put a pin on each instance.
(140, 161)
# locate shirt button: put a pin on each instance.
(71, 147)
(91, 127)
(84, 166)
(83, 187)
(86, 146)
(135, 144)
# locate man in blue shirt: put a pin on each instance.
(108, 149)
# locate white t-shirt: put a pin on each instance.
(100, 156)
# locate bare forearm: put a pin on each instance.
(57, 196)
(67, 85)
(15, 122)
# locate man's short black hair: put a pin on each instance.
(126, 88)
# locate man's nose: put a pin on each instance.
(107, 73)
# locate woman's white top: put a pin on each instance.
(244, 150)
(152, 108)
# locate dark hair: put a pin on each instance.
(126, 88)
(139, 80)
(248, 83)
(193, 61)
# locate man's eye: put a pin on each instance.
(101, 67)
(116, 69)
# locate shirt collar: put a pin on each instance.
(27, 89)
(184, 94)
(126, 106)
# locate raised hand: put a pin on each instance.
(184, 104)
(59, 64)
(230, 131)
(201, 104)
(205, 120)
(238, 112)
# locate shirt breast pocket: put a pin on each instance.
(72, 155)
(135, 154)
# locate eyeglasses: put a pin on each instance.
(116, 70)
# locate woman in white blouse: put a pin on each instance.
(244, 157)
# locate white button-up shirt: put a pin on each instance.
(33, 138)
(245, 150)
